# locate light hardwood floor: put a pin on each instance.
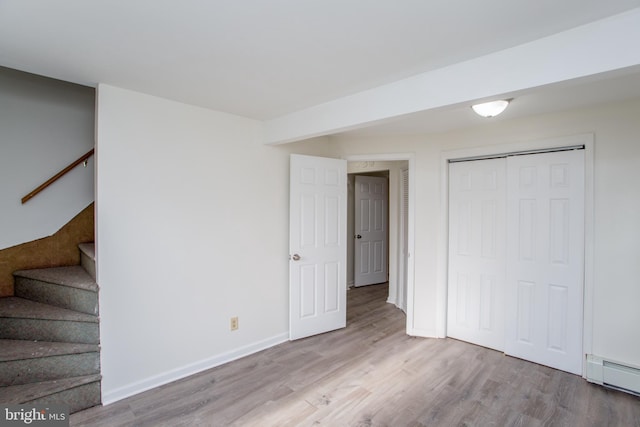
(372, 374)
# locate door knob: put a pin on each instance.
(295, 257)
(358, 236)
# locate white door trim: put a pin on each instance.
(443, 243)
(410, 158)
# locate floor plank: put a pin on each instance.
(372, 374)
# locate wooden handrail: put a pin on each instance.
(57, 176)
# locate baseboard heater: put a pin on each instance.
(620, 376)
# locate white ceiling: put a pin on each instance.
(264, 59)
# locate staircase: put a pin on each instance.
(49, 337)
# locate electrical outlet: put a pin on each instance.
(234, 323)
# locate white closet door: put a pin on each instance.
(545, 259)
(477, 245)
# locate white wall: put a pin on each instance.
(45, 125)
(192, 229)
(616, 318)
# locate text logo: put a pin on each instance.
(34, 415)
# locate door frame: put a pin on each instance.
(403, 236)
(588, 141)
(394, 279)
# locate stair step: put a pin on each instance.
(67, 287)
(78, 393)
(22, 319)
(88, 249)
(20, 349)
(24, 362)
(73, 276)
(25, 309)
(49, 336)
(88, 258)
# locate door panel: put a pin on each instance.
(477, 252)
(317, 244)
(545, 262)
(371, 221)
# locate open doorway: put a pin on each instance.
(318, 220)
(368, 225)
(398, 272)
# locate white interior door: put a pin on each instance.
(371, 206)
(477, 245)
(545, 259)
(516, 256)
(317, 244)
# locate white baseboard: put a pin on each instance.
(111, 396)
(609, 373)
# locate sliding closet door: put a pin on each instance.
(477, 252)
(545, 259)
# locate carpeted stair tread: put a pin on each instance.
(22, 349)
(19, 308)
(88, 258)
(73, 276)
(89, 249)
(16, 394)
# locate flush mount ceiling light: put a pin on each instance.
(491, 108)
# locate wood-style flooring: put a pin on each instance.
(372, 374)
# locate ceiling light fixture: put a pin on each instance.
(491, 108)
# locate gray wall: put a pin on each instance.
(45, 124)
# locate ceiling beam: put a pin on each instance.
(599, 47)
